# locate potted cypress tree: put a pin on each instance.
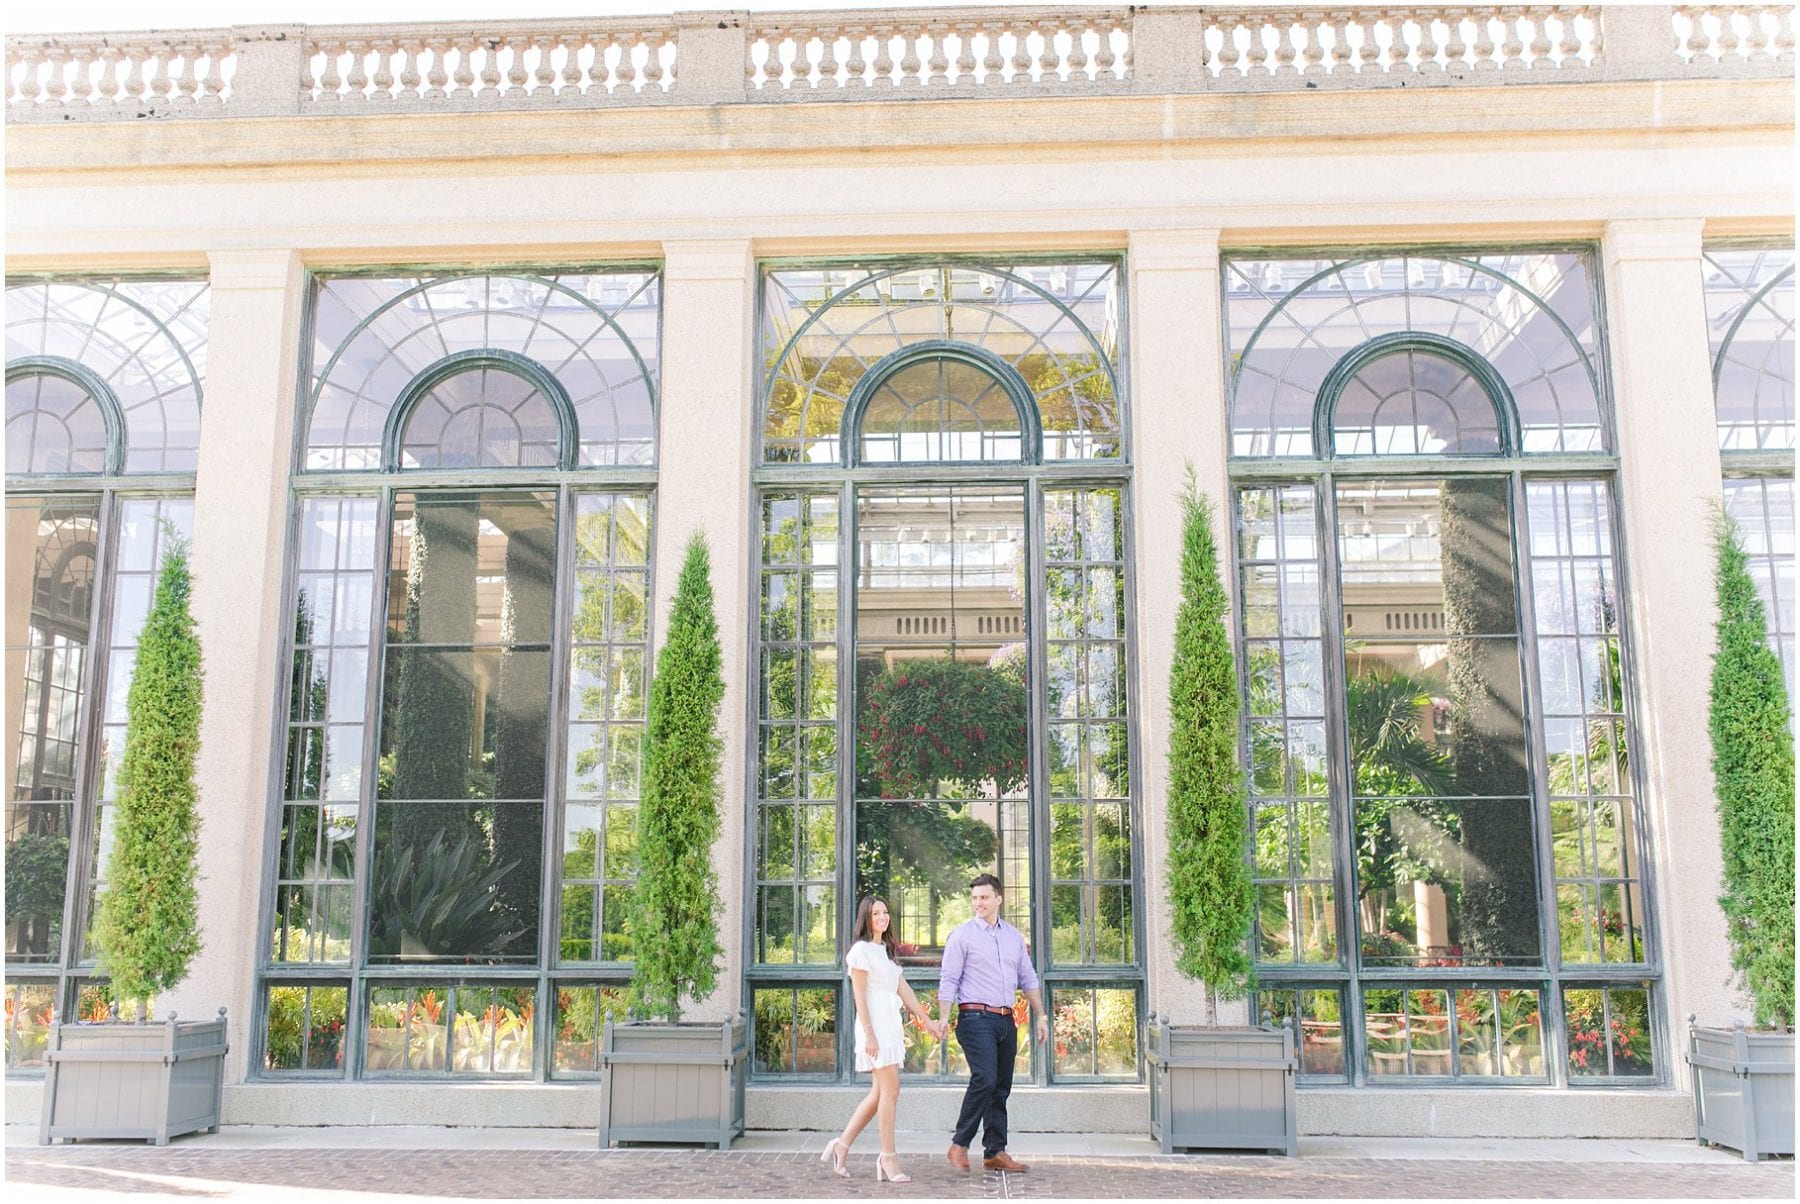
(133, 1078)
(1212, 1087)
(1743, 1077)
(665, 1081)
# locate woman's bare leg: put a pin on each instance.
(887, 1082)
(865, 1112)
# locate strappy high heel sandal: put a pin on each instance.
(882, 1172)
(840, 1163)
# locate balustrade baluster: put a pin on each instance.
(1484, 43)
(212, 84)
(329, 78)
(828, 57)
(1784, 33)
(1021, 60)
(1342, 52)
(1429, 44)
(857, 68)
(965, 53)
(106, 87)
(1569, 46)
(1455, 49)
(654, 71)
(909, 61)
(938, 34)
(1540, 44)
(1513, 52)
(1728, 36)
(1286, 49)
(884, 54)
(568, 77)
(993, 63)
(412, 75)
(357, 82)
(1049, 58)
(1078, 56)
(1257, 53)
(1104, 58)
(462, 80)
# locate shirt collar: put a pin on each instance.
(985, 927)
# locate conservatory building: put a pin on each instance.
(437, 343)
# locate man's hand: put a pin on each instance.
(1043, 1028)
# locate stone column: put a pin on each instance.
(1177, 419)
(1668, 485)
(240, 526)
(704, 442)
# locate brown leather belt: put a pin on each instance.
(983, 1007)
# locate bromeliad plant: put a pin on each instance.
(1210, 895)
(147, 928)
(1753, 771)
(673, 919)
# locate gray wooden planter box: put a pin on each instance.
(1743, 1088)
(1222, 1088)
(681, 1083)
(145, 1081)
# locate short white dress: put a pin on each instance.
(886, 1012)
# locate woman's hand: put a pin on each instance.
(871, 1046)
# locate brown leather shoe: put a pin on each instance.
(1004, 1161)
(958, 1156)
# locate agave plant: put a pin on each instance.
(437, 902)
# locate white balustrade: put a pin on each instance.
(1734, 35)
(898, 53)
(186, 72)
(521, 64)
(1266, 46)
(929, 50)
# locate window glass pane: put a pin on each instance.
(145, 340)
(1750, 320)
(1609, 1031)
(1316, 1016)
(53, 425)
(47, 650)
(305, 1027)
(795, 1031)
(942, 723)
(596, 333)
(1414, 403)
(486, 417)
(581, 1015)
(937, 410)
(1057, 325)
(1093, 1032)
(30, 1010)
(1290, 321)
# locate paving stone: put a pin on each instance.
(178, 1172)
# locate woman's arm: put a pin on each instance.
(859, 986)
(912, 1003)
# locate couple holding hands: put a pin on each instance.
(985, 962)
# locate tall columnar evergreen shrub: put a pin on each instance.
(1753, 770)
(147, 927)
(674, 912)
(1210, 894)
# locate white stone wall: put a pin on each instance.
(1646, 168)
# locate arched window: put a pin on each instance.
(1750, 317)
(1412, 395)
(1530, 315)
(60, 420)
(134, 349)
(595, 335)
(942, 646)
(482, 410)
(470, 651)
(1434, 652)
(942, 403)
(1055, 326)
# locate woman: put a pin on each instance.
(880, 1038)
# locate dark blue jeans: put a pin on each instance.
(990, 1042)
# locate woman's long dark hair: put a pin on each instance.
(865, 926)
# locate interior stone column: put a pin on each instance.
(1668, 485)
(1177, 418)
(239, 545)
(704, 444)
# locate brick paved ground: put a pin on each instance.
(94, 1171)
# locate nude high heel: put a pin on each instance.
(839, 1163)
(882, 1172)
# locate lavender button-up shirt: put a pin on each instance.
(985, 963)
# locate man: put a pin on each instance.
(985, 962)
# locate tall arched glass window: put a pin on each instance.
(943, 657)
(103, 388)
(1750, 317)
(470, 649)
(1448, 849)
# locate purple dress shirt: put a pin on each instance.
(985, 963)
